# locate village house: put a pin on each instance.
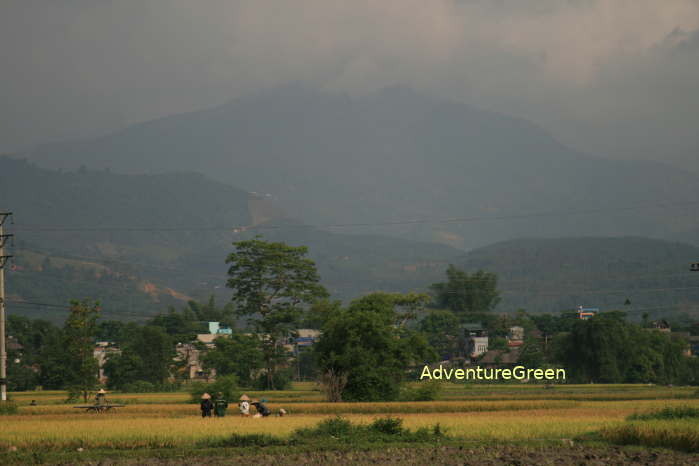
(476, 340)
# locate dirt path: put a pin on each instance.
(509, 455)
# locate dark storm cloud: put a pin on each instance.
(616, 77)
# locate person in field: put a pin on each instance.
(261, 407)
(220, 405)
(244, 405)
(206, 405)
(100, 397)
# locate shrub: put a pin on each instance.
(426, 391)
(388, 425)
(334, 427)
(678, 437)
(227, 385)
(281, 380)
(139, 386)
(7, 408)
(388, 429)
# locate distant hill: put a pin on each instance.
(397, 155)
(543, 275)
(140, 242)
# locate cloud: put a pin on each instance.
(584, 68)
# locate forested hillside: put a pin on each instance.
(394, 156)
(141, 242)
(554, 274)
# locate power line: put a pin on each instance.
(242, 228)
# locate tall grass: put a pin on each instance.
(678, 435)
(667, 413)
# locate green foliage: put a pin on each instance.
(281, 380)
(319, 313)
(365, 343)
(607, 349)
(382, 430)
(227, 385)
(466, 294)
(388, 425)
(425, 391)
(676, 435)
(147, 355)
(185, 324)
(238, 354)
(242, 440)
(79, 337)
(272, 281)
(8, 408)
(441, 327)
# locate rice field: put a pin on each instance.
(481, 415)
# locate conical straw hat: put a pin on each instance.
(102, 392)
(205, 396)
(244, 397)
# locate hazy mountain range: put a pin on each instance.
(386, 190)
(396, 156)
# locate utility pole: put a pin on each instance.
(3, 347)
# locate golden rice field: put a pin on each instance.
(484, 414)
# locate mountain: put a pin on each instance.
(389, 158)
(141, 242)
(546, 275)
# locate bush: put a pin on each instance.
(426, 391)
(388, 429)
(7, 408)
(227, 385)
(681, 436)
(139, 386)
(143, 386)
(281, 380)
(388, 425)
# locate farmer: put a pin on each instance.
(220, 405)
(100, 397)
(244, 405)
(262, 409)
(206, 405)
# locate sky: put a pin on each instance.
(617, 78)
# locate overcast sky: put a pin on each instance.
(614, 77)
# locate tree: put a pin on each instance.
(239, 355)
(608, 349)
(272, 281)
(364, 352)
(79, 334)
(467, 294)
(146, 356)
(442, 330)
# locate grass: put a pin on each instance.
(667, 413)
(682, 434)
(521, 414)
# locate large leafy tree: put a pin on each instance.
(147, 355)
(239, 355)
(441, 327)
(367, 347)
(272, 282)
(79, 334)
(467, 294)
(608, 349)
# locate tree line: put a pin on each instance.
(367, 349)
